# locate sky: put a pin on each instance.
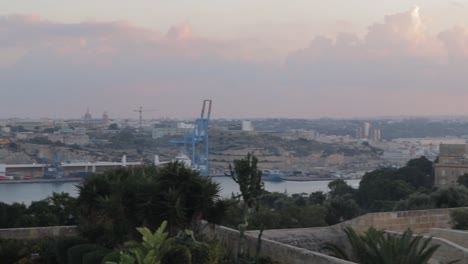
(253, 58)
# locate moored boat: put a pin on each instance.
(273, 175)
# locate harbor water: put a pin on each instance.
(28, 192)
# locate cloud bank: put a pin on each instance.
(398, 67)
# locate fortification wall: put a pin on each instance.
(38, 232)
(447, 252)
(276, 250)
(419, 221)
(456, 236)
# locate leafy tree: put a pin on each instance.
(459, 218)
(339, 187)
(463, 180)
(249, 178)
(148, 251)
(455, 196)
(415, 177)
(341, 208)
(113, 126)
(422, 164)
(378, 247)
(416, 201)
(50, 129)
(112, 204)
(317, 197)
(9, 214)
(382, 185)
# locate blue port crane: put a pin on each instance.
(196, 143)
(54, 169)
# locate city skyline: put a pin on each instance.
(392, 60)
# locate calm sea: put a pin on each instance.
(27, 192)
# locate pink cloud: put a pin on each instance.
(397, 67)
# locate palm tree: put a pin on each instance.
(378, 247)
(112, 204)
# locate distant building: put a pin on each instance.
(295, 134)
(359, 133)
(247, 126)
(453, 162)
(376, 135)
(180, 129)
(69, 139)
(367, 131)
(31, 124)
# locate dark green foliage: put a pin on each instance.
(76, 253)
(62, 246)
(317, 197)
(40, 141)
(422, 164)
(58, 209)
(278, 210)
(113, 126)
(9, 214)
(416, 201)
(95, 257)
(266, 260)
(382, 185)
(45, 248)
(378, 247)
(202, 253)
(178, 254)
(341, 208)
(450, 197)
(381, 189)
(249, 178)
(114, 203)
(21, 250)
(339, 187)
(459, 219)
(113, 256)
(463, 180)
(11, 250)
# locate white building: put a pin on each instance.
(247, 126)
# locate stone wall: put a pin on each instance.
(38, 232)
(447, 252)
(419, 221)
(308, 238)
(456, 236)
(285, 253)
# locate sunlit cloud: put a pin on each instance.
(398, 66)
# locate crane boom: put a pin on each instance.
(140, 110)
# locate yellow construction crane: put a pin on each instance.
(140, 110)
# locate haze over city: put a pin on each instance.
(260, 58)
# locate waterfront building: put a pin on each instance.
(453, 162)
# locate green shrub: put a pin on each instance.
(46, 250)
(266, 260)
(12, 250)
(459, 219)
(202, 253)
(95, 257)
(177, 254)
(62, 246)
(113, 256)
(75, 253)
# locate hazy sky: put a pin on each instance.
(254, 58)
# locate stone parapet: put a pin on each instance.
(419, 221)
(459, 237)
(274, 249)
(38, 232)
(448, 251)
